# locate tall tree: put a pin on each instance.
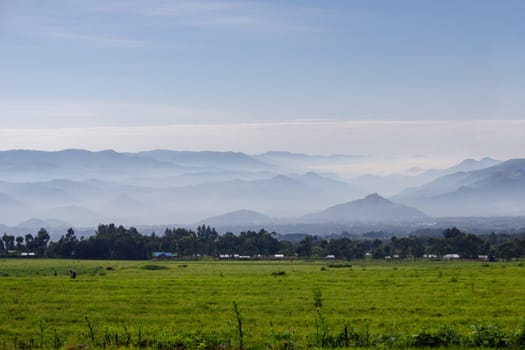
(20, 243)
(9, 241)
(40, 241)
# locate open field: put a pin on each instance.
(154, 300)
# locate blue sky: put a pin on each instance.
(146, 63)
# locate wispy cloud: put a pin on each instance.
(132, 24)
(98, 40)
(251, 15)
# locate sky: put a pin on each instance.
(407, 77)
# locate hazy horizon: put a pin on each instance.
(395, 145)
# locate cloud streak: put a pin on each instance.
(251, 15)
(96, 40)
(135, 24)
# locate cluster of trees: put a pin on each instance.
(37, 244)
(118, 242)
(453, 241)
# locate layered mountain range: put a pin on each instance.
(494, 191)
(83, 188)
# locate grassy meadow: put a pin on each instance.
(162, 304)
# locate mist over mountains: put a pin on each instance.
(395, 183)
(494, 191)
(161, 187)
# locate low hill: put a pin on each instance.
(372, 208)
(238, 218)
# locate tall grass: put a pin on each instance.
(230, 305)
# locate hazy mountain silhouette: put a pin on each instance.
(395, 183)
(242, 217)
(372, 208)
(34, 224)
(300, 161)
(328, 185)
(225, 160)
(198, 177)
(468, 164)
(24, 165)
(497, 190)
(75, 214)
(9, 202)
(155, 187)
(11, 210)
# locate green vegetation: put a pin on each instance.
(232, 304)
(120, 243)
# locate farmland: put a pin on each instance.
(155, 304)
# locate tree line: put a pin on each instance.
(117, 242)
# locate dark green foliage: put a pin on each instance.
(339, 265)
(489, 336)
(9, 242)
(442, 337)
(318, 298)
(154, 267)
(120, 243)
(91, 330)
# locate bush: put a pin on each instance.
(443, 337)
(339, 265)
(154, 267)
(490, 336)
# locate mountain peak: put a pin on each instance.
(470, 164)
(372, 208)
(374, 196)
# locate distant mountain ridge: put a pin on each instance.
(293, 161)
(229, 160)
(496, 190)
(162, 186)
(393, 184)
(27, 165)
(465, 165)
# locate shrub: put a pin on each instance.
(490, 336)
(154, 267)
(443, 337)
(339, 265)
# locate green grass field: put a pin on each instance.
(139, 300)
